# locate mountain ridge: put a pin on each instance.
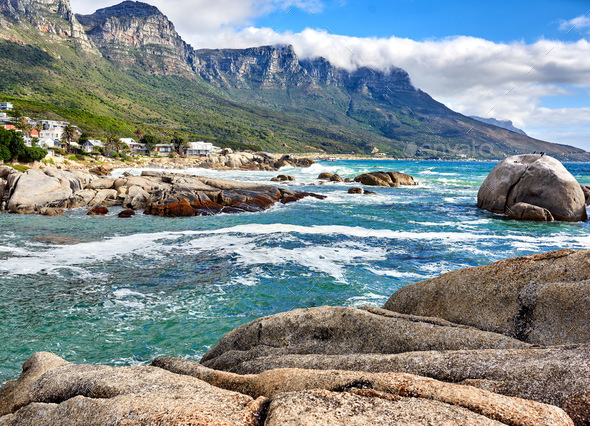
(274, 98)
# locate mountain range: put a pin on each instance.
(126, 65)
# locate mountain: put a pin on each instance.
(126, 64)
(504, 124)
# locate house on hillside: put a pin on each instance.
(51, 143)
(5, 118)
(201, 148)
(91, 144)
(136, 148)
(164, 149)
(6, 106)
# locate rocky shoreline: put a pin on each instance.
(505, 343)
(49, 191)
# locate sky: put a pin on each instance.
(524, 61)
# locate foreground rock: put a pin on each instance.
(371, 398)
(557, 375)
(336, 331)
(158, 193)
(173, 392)
(533, 187)
(541, 299)
(387, 179)
(53, 391)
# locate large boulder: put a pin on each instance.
(387, 179)
(558, 375)
(35, 189)
(336, 331)
(536, 180)
(419, 400)
(542, 299)
(53, 391)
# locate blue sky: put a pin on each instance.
(525, 61)
(502, 21)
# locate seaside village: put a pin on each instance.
(59, 136)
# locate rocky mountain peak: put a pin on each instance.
(47, 16)
(134, 32)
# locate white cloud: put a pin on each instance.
(471, 75)
(578, 23)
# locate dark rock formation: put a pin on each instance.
(98, 211)
(282, 178)
(355, 191)
(533, 187)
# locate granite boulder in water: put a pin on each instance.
(533, 187)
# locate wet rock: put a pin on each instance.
(386, 179)
(98, 211)
(325, 176)
(125, 214)
(544, 299)
(456, 401)
(53, 391)
(335, 330)
(524, 211)
(172, 209)
(336, 178)
(369, 192)
(355, 191)
(538, 180)
(51, 211)
(282, 178)
(586, 190)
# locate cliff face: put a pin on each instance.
(137, 33)
(279, 67)
(54, 17)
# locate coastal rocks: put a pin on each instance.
(336, 331)
(542, 299)
(558, 375)
(355, 191)
(53, 391)
(98, 211)
(282, 178)
(103, 183)
(51, 211)
(586, 190)
(386, 179)
(126, 214)
(35, 189)
(537, 180)
(524, 211)
(325, 176)
(309, 394)
(289, 160)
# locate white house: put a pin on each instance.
(50, 143)
(54, 133)
(6, 106)
(136, 147)
(90, 144)
(201, 148)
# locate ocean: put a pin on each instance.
(125, 291)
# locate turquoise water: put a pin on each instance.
(122, 292)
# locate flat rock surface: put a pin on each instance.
(338, 330)
(53, 391)
(387, 386)
(542, 299)
(558, 375)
